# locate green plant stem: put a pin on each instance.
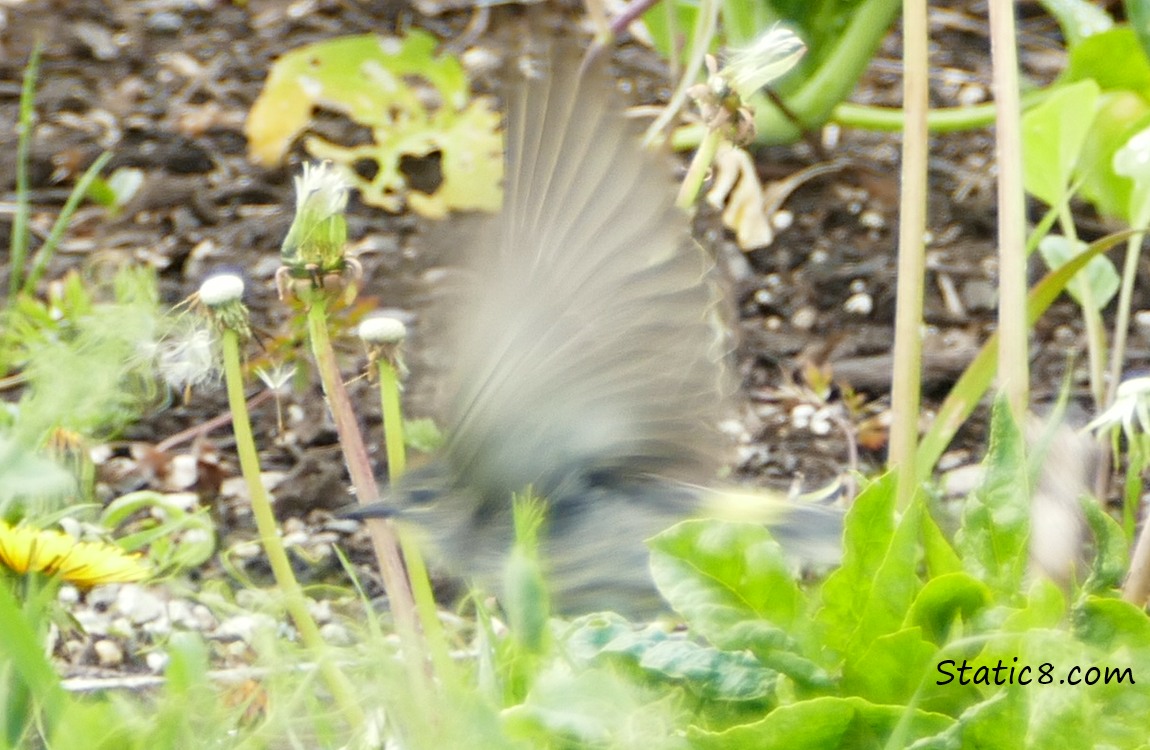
(416, 569)
(294, 598)
(48, 249)
(1091, 317)
(975, 380)
(1013, 360)
(392, 419)
(887, 119)
(384, 538)
(907, 381)
(1125, 303)
(835, 77)
(706, 24)
(697, 172)
(18, 242)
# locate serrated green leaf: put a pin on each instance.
(869, 528)
(1111, 551)
(995, 522)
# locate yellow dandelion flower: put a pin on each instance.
(25, 549)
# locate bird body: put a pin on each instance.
(586, 359)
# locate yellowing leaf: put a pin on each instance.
(415, 104)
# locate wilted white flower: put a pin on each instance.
(321, 188)
(767, 58)
(1131, 409)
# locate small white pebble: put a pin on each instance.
(1142, 321)
(872, 219)
(157, 661)
(801, 416)
(783, 219)
(861, 304)
(108, 653)
(804, 318)
(335, 634)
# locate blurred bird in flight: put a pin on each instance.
(587, 362)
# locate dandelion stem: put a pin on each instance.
(416, 569)
(383, 534)
(294, 598)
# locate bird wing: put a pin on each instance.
(586, 338)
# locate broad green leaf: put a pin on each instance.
(1121, 114)
(891, 668)
(1052, 136)
(1097, 283)
(997, 723)
(592, 708)
(869, 529)
(715, 574)
(709, 672)
(1114, 59)
(944, 601)
(824, 723)
(995, 523)
(940, 557)
(896, 584)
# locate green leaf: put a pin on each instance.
(1096, 284)
(1098, 55)
(1132, 160)
(709, 672)
(1121, 114)
(944, 601)
(1045, 608)
(1111, 552)
(824, 723)
(715, 574)
(891, 668)
(590, 709)
(995, 519)
(1053, 133)
(869, 528)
